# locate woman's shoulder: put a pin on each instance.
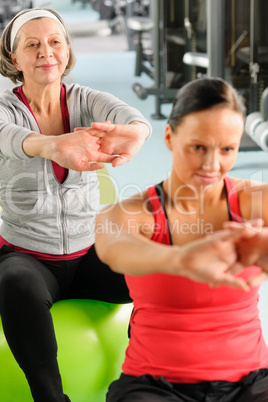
(10, 104)
(84, 97)
(245, 187)
(135, 205)
(79, 90)
(134, 214)
(253, 196)
(8, 95)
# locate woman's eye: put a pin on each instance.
(55, 41)
(198, 147)
(227, 150)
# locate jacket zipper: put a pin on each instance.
(63, 224)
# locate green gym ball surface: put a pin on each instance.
(92, 338)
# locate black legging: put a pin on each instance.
(28, 289)
(146, 388)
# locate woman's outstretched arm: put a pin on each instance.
(123, 242)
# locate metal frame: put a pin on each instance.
(215, 37)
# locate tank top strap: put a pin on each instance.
(233, 200)
(161, 229)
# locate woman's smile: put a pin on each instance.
(208, 179)
(46, 67)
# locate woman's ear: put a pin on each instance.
(169, 137)
(14, 60)
(68, 53)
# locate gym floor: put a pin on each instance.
(105, 63)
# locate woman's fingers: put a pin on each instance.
(230, 280)
(257, 280)
(251, 228)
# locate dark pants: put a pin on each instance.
(28, 289)
(253, 388)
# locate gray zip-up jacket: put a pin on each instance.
(39, 213)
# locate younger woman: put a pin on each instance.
(191, 339)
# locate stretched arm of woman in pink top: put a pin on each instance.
(123, 242)
(253, 246)
(252, 249)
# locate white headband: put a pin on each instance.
(30, 15)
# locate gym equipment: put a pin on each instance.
(212, 60)
(197, 59)
(256, 128)
(257, 123)
(163, 91)
(255, 55)
(92, 338)
(217, 38)
(139, 26)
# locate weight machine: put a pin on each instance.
(221, 38)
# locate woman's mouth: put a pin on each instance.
(46, 67)
(209, 179)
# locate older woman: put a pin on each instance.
(192, 337)
(53, 137)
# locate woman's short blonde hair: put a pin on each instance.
(7, 68)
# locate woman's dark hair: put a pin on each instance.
(202, 94)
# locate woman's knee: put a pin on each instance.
(19, 278)
(141, 389)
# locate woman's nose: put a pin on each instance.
(45, 50)
(211, 161)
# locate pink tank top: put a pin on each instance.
(187, 332)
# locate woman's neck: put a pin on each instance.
(188, 197)
(43, 99)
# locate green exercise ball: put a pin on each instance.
(92, 338)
